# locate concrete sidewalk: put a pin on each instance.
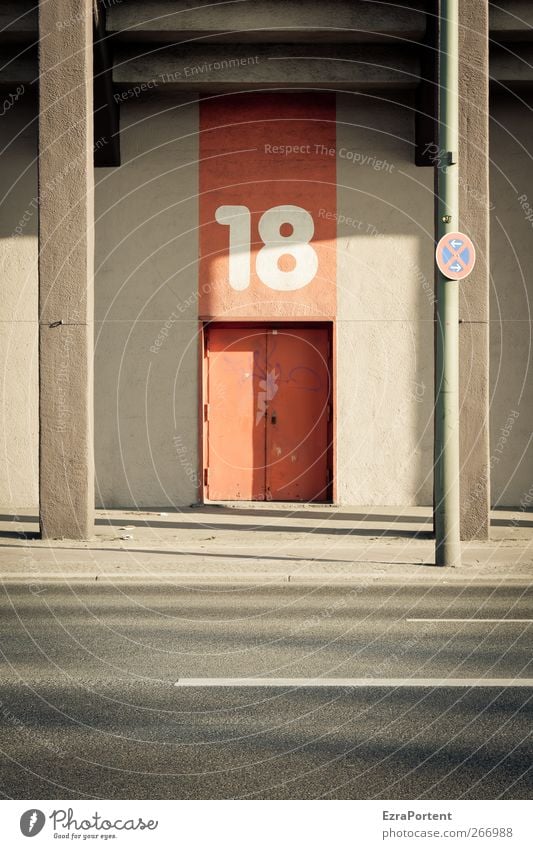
(262, 543)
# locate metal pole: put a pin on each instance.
(447, 463)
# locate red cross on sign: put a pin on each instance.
(456, 256)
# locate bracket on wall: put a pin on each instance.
(426, 93)
(106, 110)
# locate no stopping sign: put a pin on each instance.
(456, 256)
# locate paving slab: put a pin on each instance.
(267, 543)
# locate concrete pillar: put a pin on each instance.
(474, 291)
(66, 248)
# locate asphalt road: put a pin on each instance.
(90, 707)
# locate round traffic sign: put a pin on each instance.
(456, 256)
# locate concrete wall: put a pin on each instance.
(385, 307)
(18, 309)
(511, 301)
(146, 309)
(145, 318)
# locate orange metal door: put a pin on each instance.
(268, 404)
(297, 423)
(235, 430)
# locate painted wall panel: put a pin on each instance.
(267, 166)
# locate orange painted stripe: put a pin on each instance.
(261, 151)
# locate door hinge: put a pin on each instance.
(206, 477)
(329, 412)
(206, 412)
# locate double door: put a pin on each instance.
(267, 413)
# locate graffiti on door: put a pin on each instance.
(268, 387)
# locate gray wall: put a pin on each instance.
(146, 314)
(385, 307)
(511, 301)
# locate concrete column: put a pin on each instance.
(66, 248)
(474, 291)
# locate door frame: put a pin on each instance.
(273, 323)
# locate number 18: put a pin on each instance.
(275, 245)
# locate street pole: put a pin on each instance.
(447, 463)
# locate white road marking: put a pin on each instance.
(354, 682)
(454, 619)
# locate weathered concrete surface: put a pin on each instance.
(346, 19)
(215, 67)
(267, 20)
(474, 292)
(375, 65)
(66, 246)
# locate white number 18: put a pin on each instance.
(295, 244)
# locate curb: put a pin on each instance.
(435, 576)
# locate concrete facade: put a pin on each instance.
(146, 301)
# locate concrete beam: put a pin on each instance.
(66, 226)
(510, 65)
(267, 20)
(474, 292)
(173, 20)
(217, 69)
